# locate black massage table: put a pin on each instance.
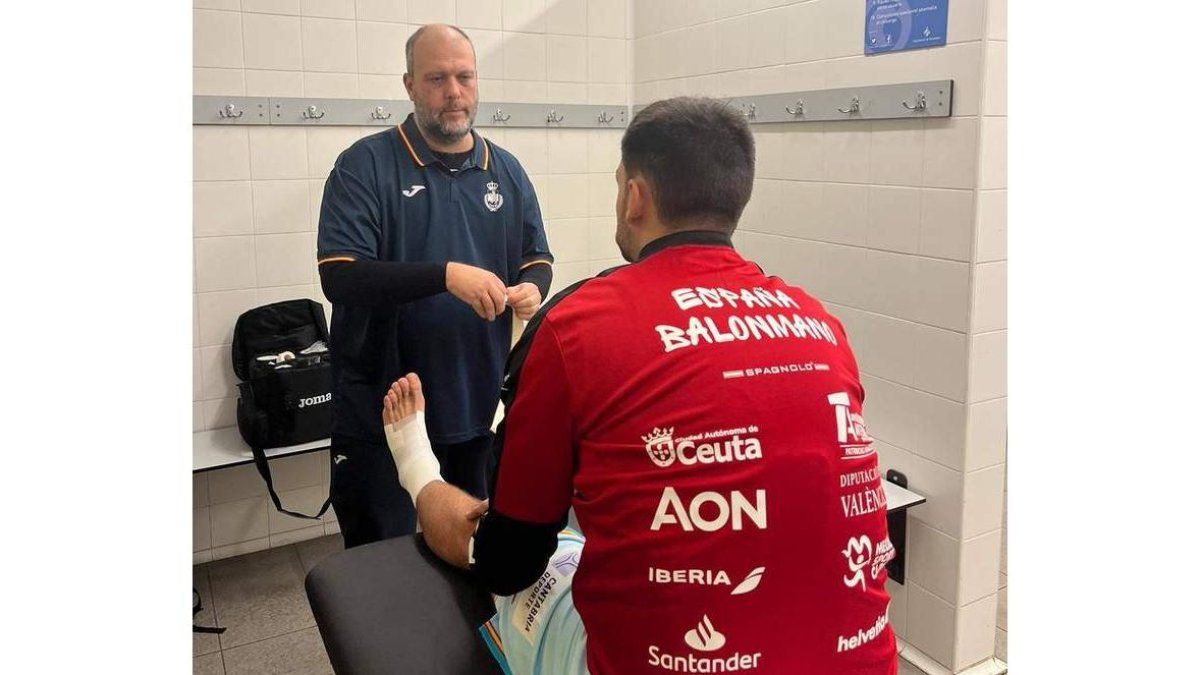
(393, 607)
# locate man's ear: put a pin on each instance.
(408, 84)
(638, 191)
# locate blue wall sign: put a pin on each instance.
(896, 25)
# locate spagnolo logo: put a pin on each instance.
(315, 400)
(712, 447)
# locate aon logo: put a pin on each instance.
(711, 511)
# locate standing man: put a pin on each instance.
(428, 234)
(704, 421)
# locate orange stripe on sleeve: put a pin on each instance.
(531, 263)
(341, 258)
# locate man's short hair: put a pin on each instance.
(697, 154)
(412, 41)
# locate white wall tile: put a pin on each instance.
(199, 490)
(238, 521)
(224, 263)
(198, 423)
(324, 145)
(278, 153)
(896, 152)
(489, 58)
(285, 259)
(603, 151)
(330, 45)
(606, 61)
(947, 219)
(331, 526)
(218, 82)
(281, 206)
(531, 148)
(602, 244)
(216, 39)
(381, 86)
(220, 153)
(240, 548)
(803, 33)
(602, 195)
(567, 92)
(295, 536)
(478, 14)
(197, 376)
(882, 345)
(942, 487)
(843, 212)
(606, 18)
(951, 152)
(527, 16)
(847, 152)
(520, 91)
(767, 33)
(941, 362)
(888, 284)
(961, 63)
(219, 311)
(727, 8)
(567, 17)
(274, 83)
(291, 7)
(646, 18)
(805, 145)
(989, 310)
(220, 413)
(993, 148)
(566, 196)
(933, 561)
(201, 530)
(567, 57)
(980, 568)
(842, 25)
(965, 22)
(991, 242)
(983, 501)
(267, 296)
(607, 94)
(330, 9)
(422, 12)
(770, 150)
(566, 274)
(975, 639)
(733, 43)
(943, 291)
(232, 5)
(887, 410)
(525, 57)
(989, 366)
(221, 208)
(234, 484)
(839, 270)
(897, 608)
(987, 433)
(930, 624)
(272, 42)
(823, 212)
(304, 500)
(894, 219)
(997, 20)
(216, 372)
(696, 11)
(568, 239)
(381, 47)
(331, 85)
(995, 79)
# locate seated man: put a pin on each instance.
(704, 421)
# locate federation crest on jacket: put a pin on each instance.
(493, 199)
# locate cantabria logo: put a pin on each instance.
(713, 447)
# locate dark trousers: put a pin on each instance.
(367, 497)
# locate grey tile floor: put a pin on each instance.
(259, 599)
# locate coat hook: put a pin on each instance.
(604, 118)
(855, 106)
(378, 114)
(921, 104)
(228, 112)
(751, 113)
(499, 116)
(798, 110)
(311, 113)
(554, 117)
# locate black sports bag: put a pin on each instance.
(281, 356)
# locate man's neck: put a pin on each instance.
(461, 145)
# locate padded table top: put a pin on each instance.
(394, 607)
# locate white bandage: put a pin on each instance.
(415, 462)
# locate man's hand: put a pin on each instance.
(477, 287)
(524, 299)
(448, 518)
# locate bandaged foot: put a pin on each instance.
(404, 427)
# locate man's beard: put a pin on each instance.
(443, 132)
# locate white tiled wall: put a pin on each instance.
(257, 190)
(899, 227)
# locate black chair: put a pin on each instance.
(394, 607)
